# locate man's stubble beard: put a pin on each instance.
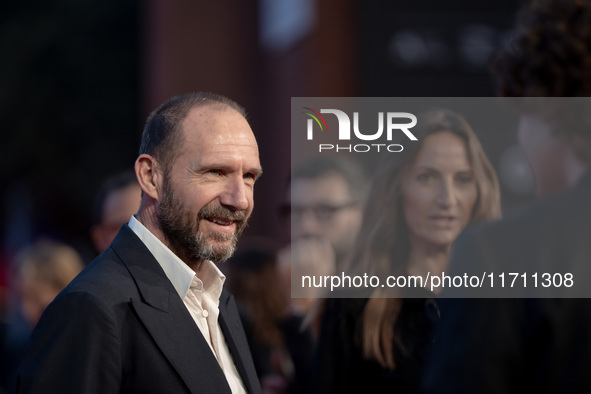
(181, 229)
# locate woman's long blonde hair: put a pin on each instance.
(382, 247)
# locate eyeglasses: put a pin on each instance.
(323, 213)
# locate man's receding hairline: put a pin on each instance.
(214, 105)
(218, 106)
(204, 105)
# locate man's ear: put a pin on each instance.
(149, 175)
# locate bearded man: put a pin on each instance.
(150, 314)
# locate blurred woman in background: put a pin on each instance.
(43, 269)
(421, 200)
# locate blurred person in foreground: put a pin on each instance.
(421, 200)
(534, 345)
(150, 314)
(118, 198)
(324, 208)
(43, 269)
(282, 352)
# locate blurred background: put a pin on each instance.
(79, 77)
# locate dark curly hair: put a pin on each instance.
(551, 53)
(550, 56)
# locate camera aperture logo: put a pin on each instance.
(391, 120)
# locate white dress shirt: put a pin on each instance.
(200, 296)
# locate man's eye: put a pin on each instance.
(215, 172)
(250, 175)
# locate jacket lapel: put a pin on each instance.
(237, 342)
(167, 319)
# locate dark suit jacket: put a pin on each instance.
(534, 345)
(120, 326)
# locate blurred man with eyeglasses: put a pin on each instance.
(324, 206)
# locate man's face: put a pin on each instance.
(119, 205)
(544, 150)
(322, 207)
(207, 196)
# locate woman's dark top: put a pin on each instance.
(340, 367)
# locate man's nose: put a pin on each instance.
(304, 223)
(236, 194)
(308, 223)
